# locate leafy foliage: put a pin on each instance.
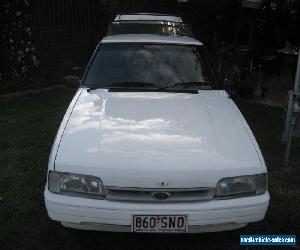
(19, 53)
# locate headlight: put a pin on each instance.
(75, 185)
(240, 186)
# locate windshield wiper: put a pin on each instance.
(130, 84)
(122, 85)
(89, 88)
(185, 84)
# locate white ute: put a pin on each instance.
(152, 143)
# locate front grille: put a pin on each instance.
(148, 195)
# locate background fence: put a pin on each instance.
(70, 29)
(38, 33)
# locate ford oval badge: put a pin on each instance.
(161, 195)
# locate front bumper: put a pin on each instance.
(103, 215)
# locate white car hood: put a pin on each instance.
(139, 139)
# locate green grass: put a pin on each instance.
(27, 129)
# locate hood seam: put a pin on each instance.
(62, 135)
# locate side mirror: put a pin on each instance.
(72, 81)
(227, 83)
(230, 87)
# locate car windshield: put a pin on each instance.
(151, 66)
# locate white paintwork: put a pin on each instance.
(217, 215)
(60, 132)
(147, 17)
(139, 139)
(128, 133)
(146, 38)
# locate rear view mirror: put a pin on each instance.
(72, 81)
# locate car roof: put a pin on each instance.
(147, 17)
(151, 38)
